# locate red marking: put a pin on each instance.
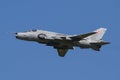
(98, 31)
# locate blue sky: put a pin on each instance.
(22, 60)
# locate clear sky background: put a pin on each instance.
(22, 60)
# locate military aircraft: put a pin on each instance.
(63, 42)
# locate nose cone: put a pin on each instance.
(21, 36)
(16, 35)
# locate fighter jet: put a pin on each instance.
(63, 42)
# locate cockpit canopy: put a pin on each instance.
(33, 30)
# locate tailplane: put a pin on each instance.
(98, 45)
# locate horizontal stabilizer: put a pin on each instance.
(101, 43)
(97, 46)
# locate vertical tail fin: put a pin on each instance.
(99, 34)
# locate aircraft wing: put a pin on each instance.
(79, 37)
(62, 52)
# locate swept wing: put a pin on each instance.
(80, 37)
